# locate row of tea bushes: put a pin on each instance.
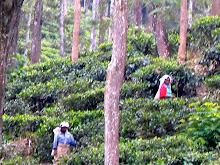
(140, 118)
(77, 84)
(170, 150)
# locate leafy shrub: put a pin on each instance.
(213, 82)
(106, 47)
(146, 118)
(204, 35)
(19, 159)
(170, 150)
(204, 124)
(140, 42)
(87, 127)
(18, 126)
(16, 106)
(211, 58)
(84, 101)
(203, 31)
(184, 80)
(134, 63)
(133, 90)
(173, 38)
(37, 97)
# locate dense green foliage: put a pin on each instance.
(183, 130)
(204, 124)
(204, 36)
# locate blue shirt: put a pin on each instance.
(169, 93)
(67, 138)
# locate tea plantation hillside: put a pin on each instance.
(183, 130)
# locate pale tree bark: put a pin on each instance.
(27, 36)
(190, 15)
(149, 19)
(181, 57)
(138, 13)
(93, 37)
(76, 29)
(36, 32)
(61, 30)
(110, 33)
(215, 7)
(161, 36)
(13, 48)
(115, 74)
(65, 7)
(85, 11)
(103, 15)
(9, 14)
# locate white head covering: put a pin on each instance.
(162, 79)
(64, 124)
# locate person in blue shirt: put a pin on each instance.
(62, 142)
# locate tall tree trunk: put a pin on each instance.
(183, 32)
(27, 36)
(9, 14)
(190, 16)
(61, 30)
(76, 29)
(102, 26)
(110, 34)
(161, 36)
(93, 36)
(215, 7)
(115, 74)
(138, 13)
(65, 7)
(13, 48)
(149, 19)
(36, 33)
(86, 7)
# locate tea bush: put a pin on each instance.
(19, 159)
(170, 150)
(184, 80)
(213, 81)
(37, 97)
(140, 42)
(139, 118)
(83, 101)
(204, 36)
(203, 31)
(146, 118)
(18, 126)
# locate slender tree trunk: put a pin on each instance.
(86, 6)
(138, 13)
(65, 7)
(61, 30)
(115, 74)
(149, 19)
(36, 33)
(76, 29)
(13, 48)
(27, 36)
(161, 36)
(190, 15)
(183, 32)
(9, 15)
(215, 7)
(110, 34)
(102, 25)
(93, 36)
